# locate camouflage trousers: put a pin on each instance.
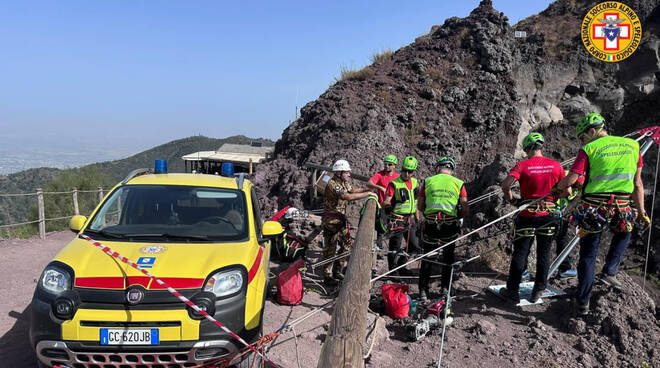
(335, 236)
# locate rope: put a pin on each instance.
(374, 331)
(57, 218)
(570, 161)
(295, 340)
(447, 306)
(435, 251)
(648, 243)
(305, 316)
(17, 194)
(19, 224)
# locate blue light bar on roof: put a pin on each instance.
(227, 169)
(160, 167)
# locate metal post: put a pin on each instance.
(562, 256)
(42, 216)
(76, 210)
(100, 194)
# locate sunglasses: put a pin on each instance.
(389, 164)
(408, 171)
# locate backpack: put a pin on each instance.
(289, 284)
(396, 300)
(290, 247)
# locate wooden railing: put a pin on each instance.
(41, 208)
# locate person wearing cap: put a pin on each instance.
(338, 192)
(537, 175)
(444, 202)
(379, 182)
(612, 167)
(401, 203)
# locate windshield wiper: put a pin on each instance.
(106, 233)
(169, 236)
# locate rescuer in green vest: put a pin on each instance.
(443, 200)
(612, 167)
(401, 200)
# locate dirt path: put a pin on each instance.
(487, 332)
(21, 263)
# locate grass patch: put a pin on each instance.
(378, 57)
(347, 74)
(435, 74)
(19, 232)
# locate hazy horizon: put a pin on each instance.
(77, 75)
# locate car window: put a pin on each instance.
(171, 211)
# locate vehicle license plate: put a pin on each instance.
(129, 337)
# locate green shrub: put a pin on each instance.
(88, 178)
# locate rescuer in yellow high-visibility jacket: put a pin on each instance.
(612, 167)
(401, 201)
(443, 200)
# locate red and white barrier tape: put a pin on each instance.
(112, 253)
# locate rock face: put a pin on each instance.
(471, 90)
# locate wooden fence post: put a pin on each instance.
(100, 194)
(76, 210)
(345, 341)
(42, 216)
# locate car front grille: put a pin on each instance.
(58, 353)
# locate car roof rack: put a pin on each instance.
(239, 180)
(134, 173)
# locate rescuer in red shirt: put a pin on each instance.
(537, 175)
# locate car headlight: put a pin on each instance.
(56, 280)
(225, 283)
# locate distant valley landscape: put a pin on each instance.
(107, 172)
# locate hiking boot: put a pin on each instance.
(513, 296)
(423, 296)
(611, 281)
(536, 296)
(582, 309)
(567, 274)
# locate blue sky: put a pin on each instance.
(152, 71)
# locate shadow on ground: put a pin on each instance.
(15, 347)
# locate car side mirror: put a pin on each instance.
(271, 229)
(77, 222)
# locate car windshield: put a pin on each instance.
(171, 213)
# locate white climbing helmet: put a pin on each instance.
(341, 165)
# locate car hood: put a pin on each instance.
(181, 265)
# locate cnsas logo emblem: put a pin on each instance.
(611, 31)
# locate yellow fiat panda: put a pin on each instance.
(201, 234)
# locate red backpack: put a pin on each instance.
(396, 300)
(289, 284)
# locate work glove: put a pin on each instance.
(643, 220)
